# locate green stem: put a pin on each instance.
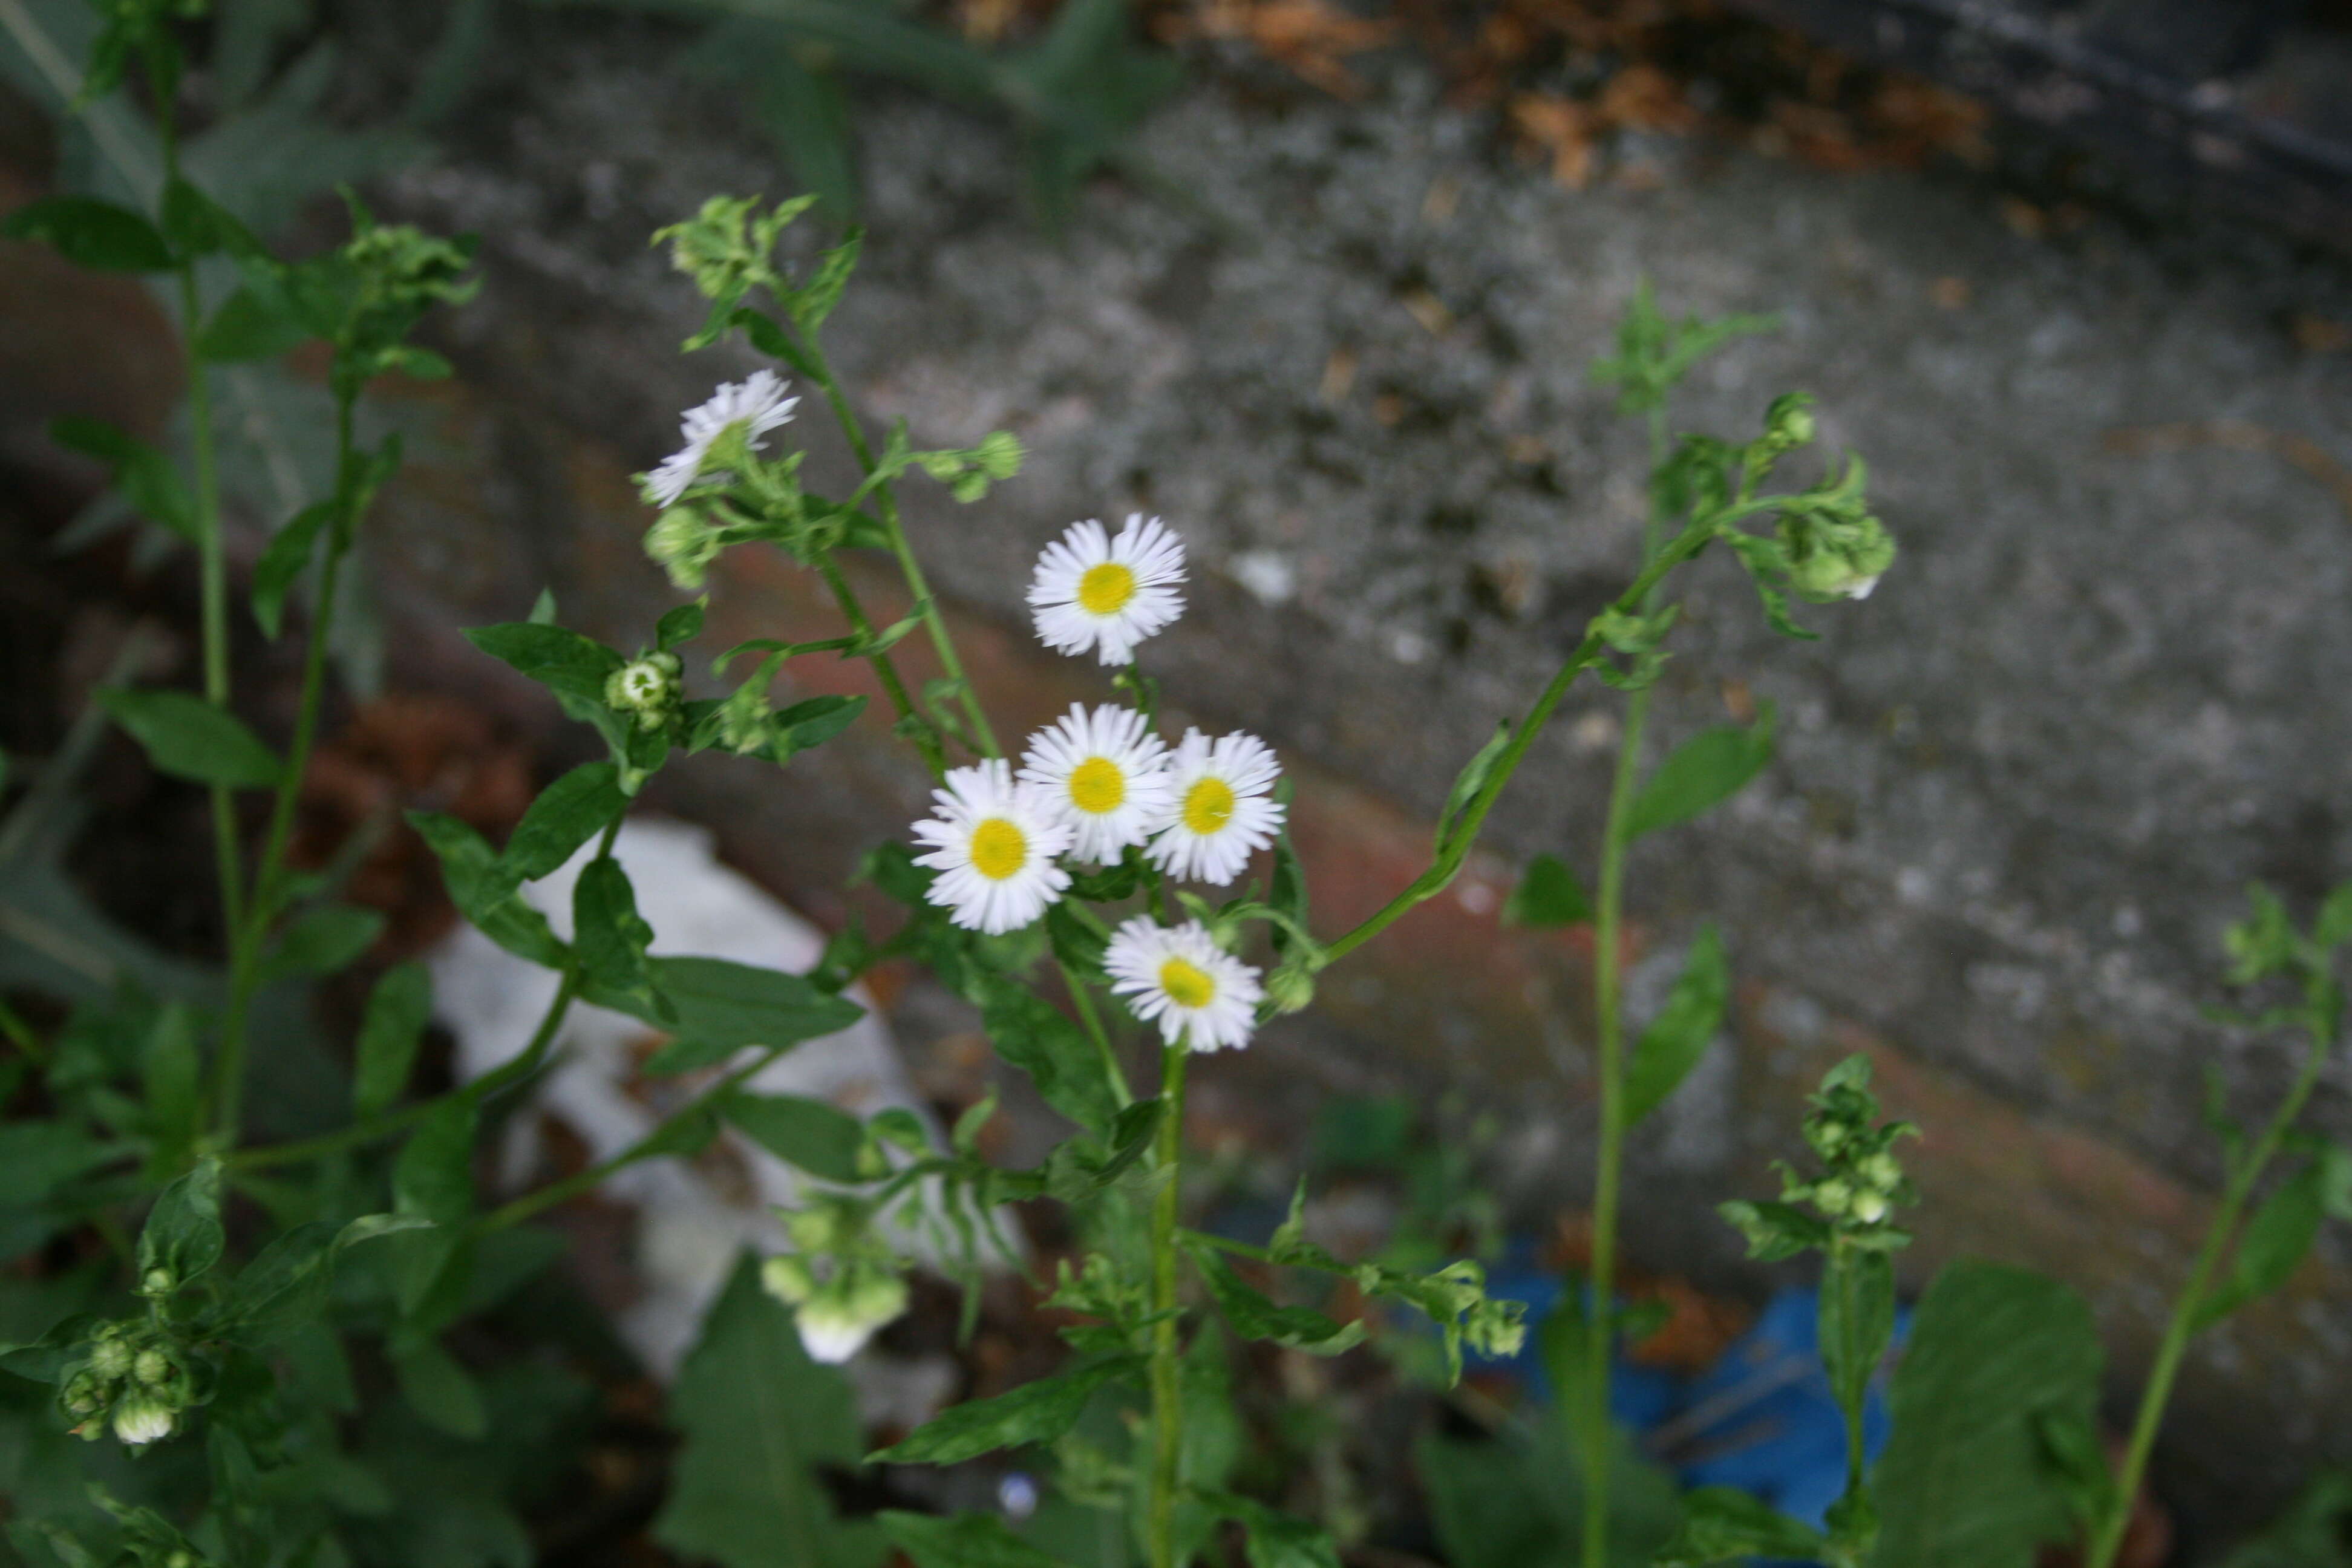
(1084, 1000)
(1167, 1366)
(885, 506)
(268, 877)
(1592, 1417)
(846, 598)
(1440, 872)
(2183, 1326)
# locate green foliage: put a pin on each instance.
(1548, 895)
(1678, 1036)
(758, 1418)
(2280, 1233)
(816, 1137)
(1510, 1503)
(1995, 1356)
(1701, 774)
(1038, 1412)
(91, 233)
(1721, 1525)
(964, 1540)
(190, 738)
(2315, 1531)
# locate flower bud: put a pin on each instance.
(1833, 1197)
(788, 1279)
(83, 1393)
(1291, 988)
(646, 687)
(158, 1282)
(1870, 1207)
(153, 1368)
(683, 545)
(836, 1323)
(142, 1419)
(1882, 1170)
(110, 1357)
(1835, 557)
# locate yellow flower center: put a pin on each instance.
(1105, 589)
(1208, 805)
(1097, 786)
(998, 850)
(1187, 985)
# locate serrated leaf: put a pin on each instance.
(1678, 1036)
(188, 738)
(1965, 1481)
(566, 815)
(1703, 772)
(91, 233)
(758, 1418)
(560, 660)
(821, 1139)
(1037, 1412)
(393, 1026)
(1775, 1230)
(1256, 1317)
(1549, 895)
(963, 1540)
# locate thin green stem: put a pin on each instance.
(1167, 1366)
(2184, 1325)
(885, 506)
(1082, 999)
(1592, 1418)
(846, 598)
(268, 876)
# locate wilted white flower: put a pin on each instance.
(758, 406)
(1219, 810)
(1103, 775)
(1179, 977)
(1094, 591)
(993, 846)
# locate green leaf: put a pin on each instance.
(1549, 895)
(250, 325)
(397, 1011)
(681, 623)
(1857, 1322)
(91, 233)
(1775, 1230)
(1678, 1035)
(1723, 1523)
(719, 1007)
(821, 1139)
(287, 557)
(322, 941)
(2272, 1243)
(1033, 1034)
(758, 1418)
(1273, 1539)
(484, 891)
(188, 738)
(2315, 1531)
(285, 1283)
(964, 1540)
(171, 1073)
(1702, 773)
(813, 303)
(440, 1390)
(182, 1235)
(1965, 1480)
(560, 660)
(1254, 1317)
(567, 814)
(195, 225)
(434, 1177)
(150, 481)
(1469, 783)
(1036, 1411)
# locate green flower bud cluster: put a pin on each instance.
(683, 543)
(843, 1284)
(1832, 557)
(396, 273)
(725, 249)
(130, 1378)
(648, 688)
(968, 473)
(1861, 1183)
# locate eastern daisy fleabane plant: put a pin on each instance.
(994, 844)
(1094, 590)
(1179, 978)
(1103, 775)
(757, 403)
(1221, 809)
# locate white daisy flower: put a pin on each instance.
(1180, 977)
(1103, 776)
(1219, 811)
(757, 405)
(995, 843)
(1094, 591)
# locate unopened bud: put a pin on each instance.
(1882, 1170)
(110, 1357)
(787, 1277)
(1833, 1197)
(1291, 988)
(683, 545)
(141, 1420)
(647, 689)
(153, 1368)
(1870, 1207)
(158, 1282)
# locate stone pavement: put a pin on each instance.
(2020, 790)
